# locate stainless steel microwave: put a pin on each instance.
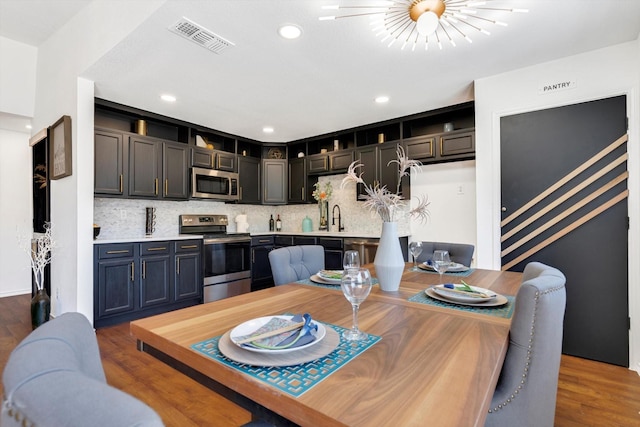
(214, 184)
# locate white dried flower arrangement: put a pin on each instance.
(382, 201)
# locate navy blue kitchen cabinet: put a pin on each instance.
(135, 280)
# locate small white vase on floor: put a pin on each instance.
(389, 263)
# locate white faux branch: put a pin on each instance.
(40, 253)
(382, 201)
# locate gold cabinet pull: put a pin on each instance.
(302, 193)
(166, 186)
(132, 269)
(240, 195)
(160, 248)
(188, 246)
(156, 184)
(122, 251)
(178, 266)
(121, 183)
(144, 269)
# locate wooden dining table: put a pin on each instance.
(433, 365)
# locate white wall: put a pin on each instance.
(61, 91)
(17, 77)
(17, 89)
(15, 212)
(599, 74)
(451, 188)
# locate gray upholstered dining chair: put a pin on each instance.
(461, 253)
(293, 263)
(527, 387)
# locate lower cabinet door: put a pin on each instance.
(188, 283)
(154, 281)
(115, 287)
(333, 259)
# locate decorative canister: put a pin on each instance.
(141, 127)
(307, 225)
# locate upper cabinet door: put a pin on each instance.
(175, 172)
(249, 179)
(109, 163)
(274, 177)
(144, 167)
(297, 180)
(226, 161)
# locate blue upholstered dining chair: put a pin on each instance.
(526, 391)
(293, 263)
(461, 253)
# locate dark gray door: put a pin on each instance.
(564, 203)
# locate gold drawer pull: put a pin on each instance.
(156, 249)
(132, 268)
(122, 251)
(188, 246)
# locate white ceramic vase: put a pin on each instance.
(389, 263)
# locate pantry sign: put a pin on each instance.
(556, 86)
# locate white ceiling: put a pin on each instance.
(327, 79)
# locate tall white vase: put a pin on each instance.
(389, 263)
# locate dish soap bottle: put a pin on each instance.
(271, 223)
(278, 224)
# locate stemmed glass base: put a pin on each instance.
(354, 334)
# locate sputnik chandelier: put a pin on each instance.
(413, 22)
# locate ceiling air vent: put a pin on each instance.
(200, 35)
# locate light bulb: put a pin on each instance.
(427, 23)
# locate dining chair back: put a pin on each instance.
(461, 253)
(292, 263)
(526, 391)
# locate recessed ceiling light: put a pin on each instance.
(290, 31)
(168, 98)
(382, 99)
(267, 129)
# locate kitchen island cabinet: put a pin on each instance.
(139, 279)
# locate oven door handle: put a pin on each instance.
(226, 240)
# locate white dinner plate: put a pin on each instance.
(252, 325)
(318, 279)
(330, 275)
(459, 297)
(496, 302)
(453, 268)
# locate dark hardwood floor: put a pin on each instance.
(589, 393)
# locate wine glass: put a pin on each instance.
(416, 249)
(351, 261)
(441, 262)
(356, 285)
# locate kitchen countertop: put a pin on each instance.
(142, 239)
(343, 234)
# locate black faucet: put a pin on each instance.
(333, 213)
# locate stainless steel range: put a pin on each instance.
(227, 256)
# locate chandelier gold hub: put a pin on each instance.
(421, 6)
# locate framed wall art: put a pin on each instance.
(60, 148)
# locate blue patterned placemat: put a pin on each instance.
(449, 273)
(298, 379)
(504, 311)
(374, 281)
